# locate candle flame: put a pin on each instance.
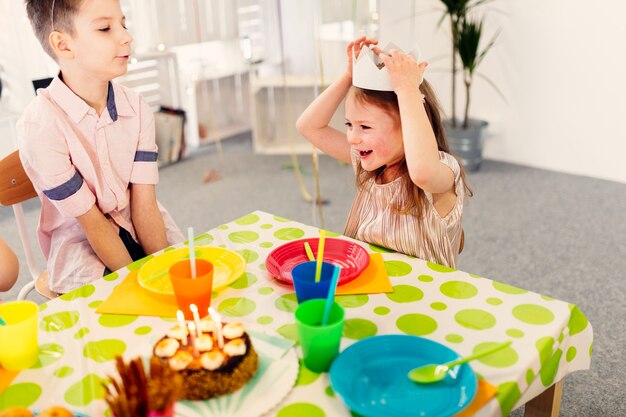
(193, 308)
(180, 315)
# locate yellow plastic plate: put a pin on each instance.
(227, 267)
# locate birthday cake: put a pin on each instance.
(209, 368)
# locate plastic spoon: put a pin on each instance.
(309, 252)
(432, 373)
(320, 256)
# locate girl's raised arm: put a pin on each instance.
(313, 122)
(420, 144)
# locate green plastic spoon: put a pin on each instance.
(432, 373)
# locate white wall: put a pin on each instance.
(561, 65)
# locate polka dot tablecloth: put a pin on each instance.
(466, 312)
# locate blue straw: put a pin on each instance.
(2, 322)
(331, 294)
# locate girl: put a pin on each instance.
(410, 190)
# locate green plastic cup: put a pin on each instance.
(320, 344)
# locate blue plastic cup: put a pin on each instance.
(303, 276)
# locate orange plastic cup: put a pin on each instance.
(188, 290)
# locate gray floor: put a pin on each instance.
(556, 234)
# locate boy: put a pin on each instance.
(89, 148)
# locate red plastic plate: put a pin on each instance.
(352, 258)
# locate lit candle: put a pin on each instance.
(181, 318)
(192, 331)
(218, 326)
(196, 318)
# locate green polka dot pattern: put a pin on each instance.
(59, 321)
(143, 330)
(405, 294)
(352, 301)
(243, 237)
(416, 324)
(265, 320)
(246, 280)
(359, 328)
(438, 306)
(248, 255)
(247, 220)
(49, 353)
(454, 338)
(82, 292)
(458, 289)
(237, 307)
(289, 233)
(382, 311)
(466, 312)
(397, 268)
(20, 395)
(104, 350)
(500, 359)
(533, 314)
(85, 391)
(507, 289)
(301, 409)
(63, 372)
(439, 268)
(475, 319)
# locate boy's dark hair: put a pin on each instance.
(45, 20)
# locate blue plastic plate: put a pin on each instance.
(371, 378)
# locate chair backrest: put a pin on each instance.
(15, 186)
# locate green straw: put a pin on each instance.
(331, 294)
(320, 256)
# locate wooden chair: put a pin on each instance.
(15, 188)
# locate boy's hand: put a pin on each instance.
(405, 73)
(354, 49)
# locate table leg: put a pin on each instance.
(546, 404)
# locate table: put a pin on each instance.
(551, 338)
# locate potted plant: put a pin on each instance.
(466, 137)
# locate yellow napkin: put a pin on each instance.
(129, 298)
(484, 394)
(372, 280)
(6, 377)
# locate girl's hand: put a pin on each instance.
(354, 49)
(405, 73)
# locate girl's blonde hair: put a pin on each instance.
(388, 101)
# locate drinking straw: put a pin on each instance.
(309, 252)
(192, 253)
(2, 322)
(331, 294)
(320, 256)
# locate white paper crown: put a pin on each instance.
(369, 72)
